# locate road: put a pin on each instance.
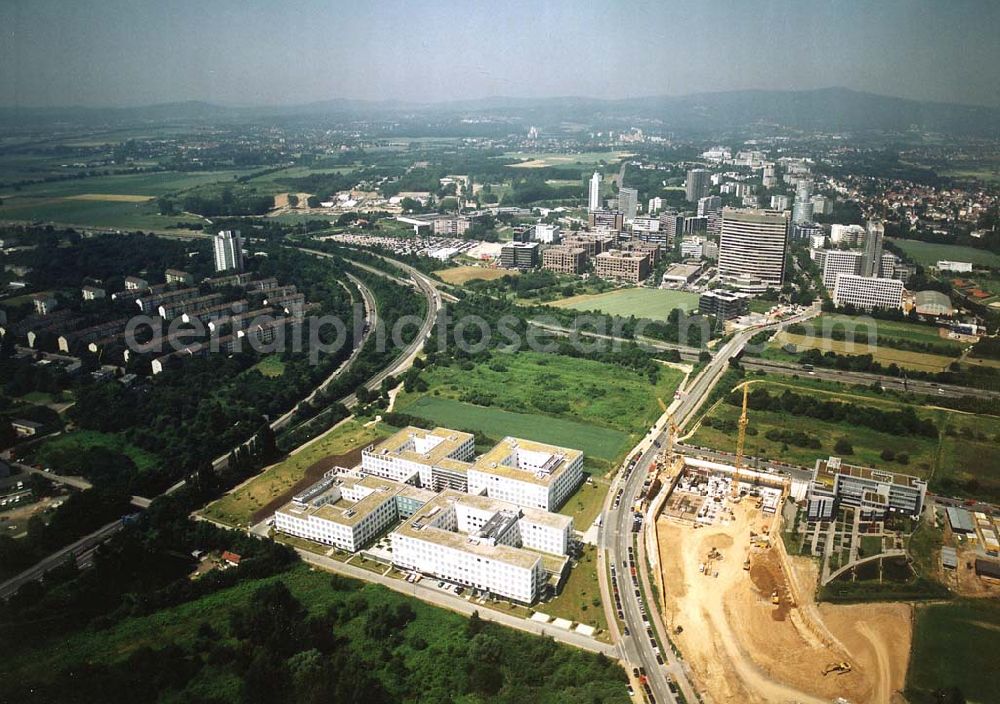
(82, 549)
(426, 591)
(894, 383)
(616, 535)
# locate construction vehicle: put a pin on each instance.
(740, 441)
(775, 599)
(746, 565)
(840, 668)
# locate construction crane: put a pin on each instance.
(740, 440)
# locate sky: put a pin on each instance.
(267, 52)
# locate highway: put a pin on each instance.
(894, 383)
(83, 550)
(616, 534)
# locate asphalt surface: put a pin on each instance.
(616, 535)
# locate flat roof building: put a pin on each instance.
(484, 544)
(724, 304)
(433, 459)
(519, 255)
(527, 473)
(753, 245)
(867, 292)
(564, 259)
(622, 266)
(875, 492)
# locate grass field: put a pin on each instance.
(270, 366)
(928, 253)
(464, 274)
(547, 389)
(70, 210)
(955, 645)
(538, 160)
(651, 303)
(52, 452)
(971, 451)
(577, 600)
(603, 443)
(586, 503)
(236, 507)
(881, 353)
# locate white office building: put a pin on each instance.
(961, 267)
(871, 261)
(836, 262)
(850, 235)
(484, 544)
(655, 205)
(646, 225)
(594, 202)
(547, 234)
(780, 202)
(348, 510)
(752, 246)
(228, 246)
(527, 473)
(876, 493)
(868, 292)
(429, 458)
(709, 205)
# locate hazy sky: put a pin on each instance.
(135, 52)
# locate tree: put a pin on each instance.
(888, 455)
(313, 201)
(293, 200)
(843, 447)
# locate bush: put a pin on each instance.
(843, 447)
(888, 455)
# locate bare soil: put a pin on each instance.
(743, 647)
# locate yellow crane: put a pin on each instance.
(740, 440)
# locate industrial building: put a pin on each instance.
(875, 492)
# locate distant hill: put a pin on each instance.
(829, 109)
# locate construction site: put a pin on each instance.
(743, 612)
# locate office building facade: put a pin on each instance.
(697, 185)
(868, 292)
(753, 245)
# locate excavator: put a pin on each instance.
(840, 668)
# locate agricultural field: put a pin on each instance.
(652, 303)
(955, 645)
(928, 253)
(52, 453)
(968, 445)
(464, 274)
(538, 160)
(237, 507)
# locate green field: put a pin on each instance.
(270, 366)
(928, 253)
(955, 645)
(653, 303)
(603, 443)
(236, 507)
(600, 404)
(543, 159)
(52, 452)
(970, 451)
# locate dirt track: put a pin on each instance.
(744, 648)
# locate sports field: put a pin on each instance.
(464, 274)
(928, 253)
(603, 443)
(653, 303)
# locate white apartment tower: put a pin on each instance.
(228, 247)
(595, 193)
(753, 245)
